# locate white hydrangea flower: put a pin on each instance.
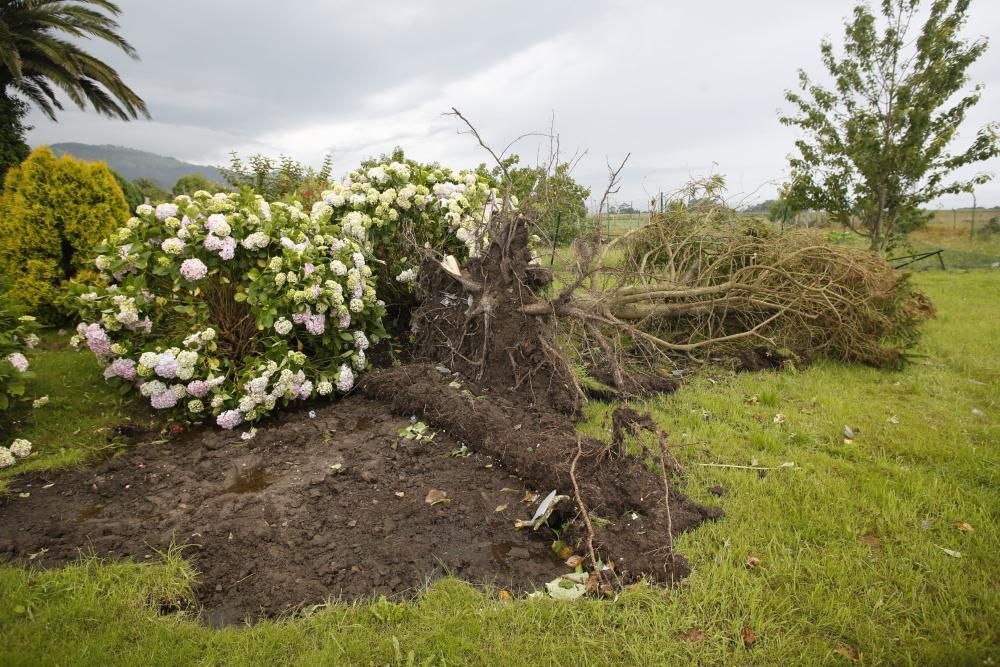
(20, 448)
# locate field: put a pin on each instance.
(877, 550)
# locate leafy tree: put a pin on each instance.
(281, 179)
(151, 190)
(555, 199)
(36, 59)
(191, 183)
(53, 211)
(133, 195)
(781, 210)
(13, 148)
(877, 146)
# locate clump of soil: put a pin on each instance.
(310, 509)
(624, 499)
(477, 327)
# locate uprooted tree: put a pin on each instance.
(698, 278)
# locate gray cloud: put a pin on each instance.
(687, 88)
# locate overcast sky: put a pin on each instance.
(689, 88)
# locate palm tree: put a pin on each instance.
(36, 58)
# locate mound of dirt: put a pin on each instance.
(310, 509)
(624, 499)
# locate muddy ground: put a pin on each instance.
(334, 506)
(310, 509)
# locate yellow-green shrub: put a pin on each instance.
(53, 212)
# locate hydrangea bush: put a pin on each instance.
(228, 306)
(387, 206)
(17, 338)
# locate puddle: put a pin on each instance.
(89, 512)
(250, 481)
(507, 553)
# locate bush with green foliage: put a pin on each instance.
(17, 338)
(53, 212)
(231, 306)
(394, 206)
(192, 183)
(133, 195)
(552, 197)
(283, 179)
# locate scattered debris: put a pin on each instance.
(418, 431)
(950, 552)
(753, 562)
(848, 433)
(568, 586)
(848, 652)
(753, 466)
(543, 512)
(749, 637)
(436, 497)
(964, 527)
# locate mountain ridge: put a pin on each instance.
(133, 163)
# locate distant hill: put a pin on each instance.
(133, 164)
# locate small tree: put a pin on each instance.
(151, 190)
(555, 199)
(282, 179)
(53, 212)
(191, 183)
(878, 145)
(133, 195)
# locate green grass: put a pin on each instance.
(75, 425)
(850, 541)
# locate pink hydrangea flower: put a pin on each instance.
(123, 368)
(193, 269)
(229, 419)
(18, 361)
(164, 400)
(198, 388)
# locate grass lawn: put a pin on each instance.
(859, 554)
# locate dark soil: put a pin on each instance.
(541, 445)
(273, 526)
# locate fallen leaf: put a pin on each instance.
(501, 508)
(434, 496)
(749, 638)
(894, 419)
(574, 561)
(400, 494)
(951, 552)
(848, 433)
(753, 562)
(568, 586)
(24, 494)
(545, 508)
(694, 635)
(529, 497)
(505, 596)
(565, 551)
(848, 652)
(964, 527)
(787, 464)
(752, 400)
(49, 485)
(871, 541)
